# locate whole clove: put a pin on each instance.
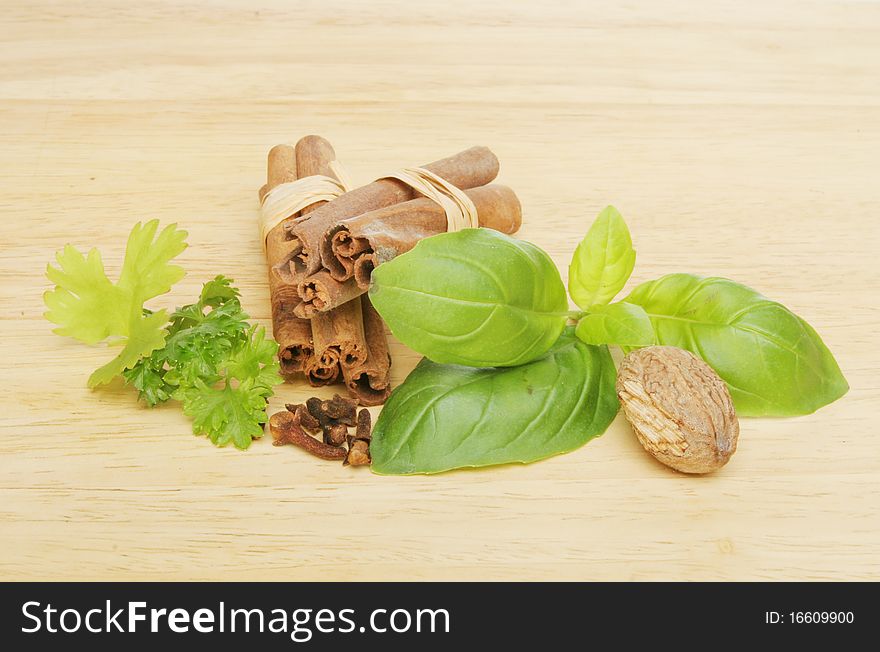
(287, 429)
(364, 426)
(341, 409)
(313, 405)
(336, 435)
(358, 453)
(333, 411)
(306, 420)
(359, 445)
(332, 418)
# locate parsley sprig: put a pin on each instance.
(220, 367)
(205, 355)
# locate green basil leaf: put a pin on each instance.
(623, 324)
(773, 361)
(446, 417)
(602, 262)
(475, 297)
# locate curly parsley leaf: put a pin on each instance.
(200, 337)
(219, 366)
(234, 409)
(218, 291)
(149, 380)
(87, 306)
(254, 359)
(227, 414)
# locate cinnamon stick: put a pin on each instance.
(313, 156)
(473, 167)
(353, 247)
(339, 338)
(321, 292)
(336, 335)
(370, 381)
(388, 232)
(294, 335)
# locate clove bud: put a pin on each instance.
(359, 445)
(336, 434)
(287, 429)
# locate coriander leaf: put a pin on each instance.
(217, 294)
(145, 334)
(236, 410)
(88, 306)
(199, 341)
(84, 303)
(146, 272)
(220, 367)
(189, 324)
(602, 262)
(197, 362)
(227, 414)
(623, 324)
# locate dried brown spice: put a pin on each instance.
(370, 382)
(293, 334)
(313, 405)
(333, 418)
(383, 234)
(359, 445)
(336, 435)
(307, 421)
(340, 409)
(679, 408)
(364, 426)
(471, 168)
(358, 453)
(287, 429)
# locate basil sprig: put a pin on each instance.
(529, 390)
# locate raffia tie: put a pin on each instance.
(289, 198)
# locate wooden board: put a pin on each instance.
(738, 140)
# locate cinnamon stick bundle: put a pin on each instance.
(473, 167)
(353, 247)
(315, 347)
(370, 381)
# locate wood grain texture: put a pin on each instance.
(738, 140)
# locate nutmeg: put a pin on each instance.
(679, 408)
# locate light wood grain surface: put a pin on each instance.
(738, 139)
